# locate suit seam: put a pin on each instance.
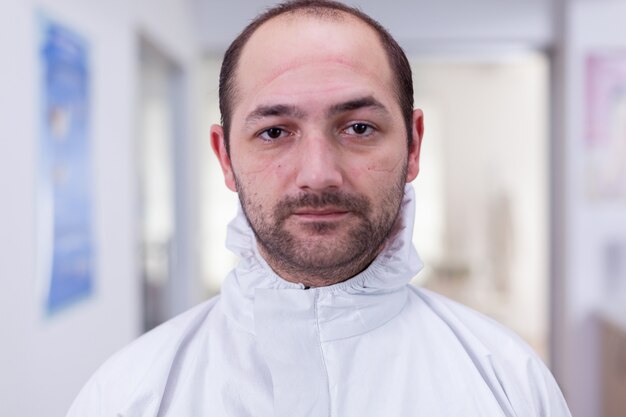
(319, 338)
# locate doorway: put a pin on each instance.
(159, 131)
(482, 223)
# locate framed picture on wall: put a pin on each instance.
(605, 136)
(64, 204)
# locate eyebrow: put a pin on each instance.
(278, 110)
(358, 103)
(273, 111)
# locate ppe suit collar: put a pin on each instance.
(369, 292)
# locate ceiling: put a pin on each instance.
(418, 25)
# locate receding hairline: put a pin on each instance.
(321, 13)
(396, 58)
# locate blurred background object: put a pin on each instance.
(521, 207)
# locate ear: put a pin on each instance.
(417, 131)
(219, 148)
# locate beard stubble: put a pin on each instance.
(319, 258)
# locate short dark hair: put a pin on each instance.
(319, 8)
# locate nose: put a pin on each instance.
(319, 164)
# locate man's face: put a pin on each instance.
(318, 146)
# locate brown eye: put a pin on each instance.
(359, 128)
(272, 133)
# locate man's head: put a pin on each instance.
(323, 9)
(317, 140)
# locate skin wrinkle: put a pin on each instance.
(280, 97)
(284, 70)
(293, 19)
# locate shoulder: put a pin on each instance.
(508, 365)
(142, 365)
(473, 327)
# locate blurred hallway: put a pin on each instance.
(522, 189)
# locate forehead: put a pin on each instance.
(339, 45)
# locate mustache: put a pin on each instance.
(354, 203)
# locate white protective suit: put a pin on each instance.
(371, 346)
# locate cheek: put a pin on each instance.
(386, 163)
(261, 173)
(374, 173)
(250, 159)
(254, 166)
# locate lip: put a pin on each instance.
(320, 214)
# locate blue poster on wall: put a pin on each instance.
(66, 252)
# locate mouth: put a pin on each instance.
(321, 214)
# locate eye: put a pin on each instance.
(359, 129)
(273, 133)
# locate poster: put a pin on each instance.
(605, 140)
(65, 231)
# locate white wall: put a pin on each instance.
(586, 226)
(45, 360)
